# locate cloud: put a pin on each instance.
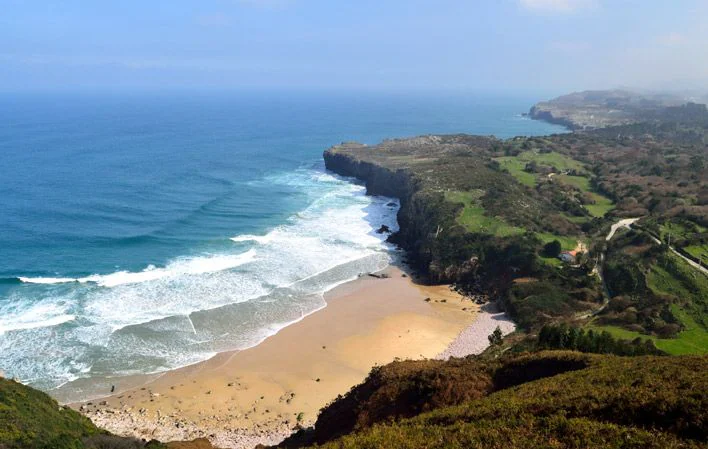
(557, 6)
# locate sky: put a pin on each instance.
(495, 45)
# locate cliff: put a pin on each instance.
(479, 212)
(602, 108)
(402, 169)
(388, 181)
(380, 180)
(463, 217)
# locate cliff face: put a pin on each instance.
(379, 180)
(417, 227)
(422, 172)
(541, 112)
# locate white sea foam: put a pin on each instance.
(46, 280)
(165, 317)
(20, 316)
(252, 238)
(194, 265)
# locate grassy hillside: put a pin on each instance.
(656, 295)
(31, 419)
(481, 213)
(548, 399)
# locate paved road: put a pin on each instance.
(628, 222)
(688, 261)
(624, 223)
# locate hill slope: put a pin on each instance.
(549, 399)
(31, 419)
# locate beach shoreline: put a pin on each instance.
(259, 395)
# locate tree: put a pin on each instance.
(495, 338)
(552, 249)
(531, 167)
(697, 162)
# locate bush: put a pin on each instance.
(560, 399)
(496, 337)
(552, 249)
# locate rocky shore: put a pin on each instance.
(473, 339)
(223, 431)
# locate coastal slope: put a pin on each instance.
(548, 399)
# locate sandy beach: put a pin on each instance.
(259, 395)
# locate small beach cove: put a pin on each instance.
(259, 395)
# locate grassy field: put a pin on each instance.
(515, 165)
(602, 204)
(473, 217)
(698, 251)
(577, 220)
(693, 340)
(601, 207)
(567, 243)
(685, 283)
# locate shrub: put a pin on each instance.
(552, 249)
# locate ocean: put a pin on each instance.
(141, 232)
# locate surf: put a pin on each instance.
(196, 265)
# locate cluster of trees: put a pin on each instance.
(496, 338)
(567, 337)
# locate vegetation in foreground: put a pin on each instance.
(31, 419)
(547, 399)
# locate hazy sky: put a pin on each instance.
(526, 45)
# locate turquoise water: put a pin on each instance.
(145, 232)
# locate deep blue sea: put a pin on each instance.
(143, 232)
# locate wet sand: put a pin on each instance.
(259, 395)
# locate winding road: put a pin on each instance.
(627, 223)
